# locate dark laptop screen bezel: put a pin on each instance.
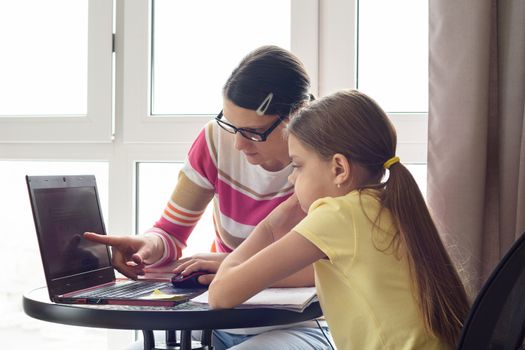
(70, 283)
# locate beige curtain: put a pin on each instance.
(476, 149)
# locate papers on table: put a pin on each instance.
(294, 299)
(165, 295)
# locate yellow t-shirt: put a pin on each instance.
(364, 289)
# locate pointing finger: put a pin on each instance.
(108, 240)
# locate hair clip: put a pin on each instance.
(265, 104)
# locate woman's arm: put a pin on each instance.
(188, 201)
(246, 272)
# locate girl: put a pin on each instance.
(383, 277)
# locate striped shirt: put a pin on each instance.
(242, 194)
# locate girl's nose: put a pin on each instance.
(291, 178)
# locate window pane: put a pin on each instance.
(393, 53)
(197, 44)
(419, 172)
(44, 57)
(156, 182)
(25, 272)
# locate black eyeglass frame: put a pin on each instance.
(233, 130)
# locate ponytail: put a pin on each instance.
(440, 294)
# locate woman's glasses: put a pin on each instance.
(247, 133)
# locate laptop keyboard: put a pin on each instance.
(123, 290)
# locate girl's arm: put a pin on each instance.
(277, 224)
(270, 256)
(245, 273)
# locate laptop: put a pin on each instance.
(78, 270)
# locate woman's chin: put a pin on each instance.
(253, 158)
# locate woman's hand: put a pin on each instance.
(206, 256)
(208, 262)
(130, 254)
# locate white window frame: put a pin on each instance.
(323, 36)
(338, 67)
(96, 125)
(140, 127)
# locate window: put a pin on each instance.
(155, 182)
(158, 107)
(56, 52)
(392, 53)
(170, 103)
(188, 71)
(360, 54)
(46, 60)
(392, 68)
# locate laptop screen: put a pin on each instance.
(64, 214)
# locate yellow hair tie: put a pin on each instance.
(390, 162)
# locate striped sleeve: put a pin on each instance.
(195, 189)
(172, 248)
(201, 166)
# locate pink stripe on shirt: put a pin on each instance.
(170, 250)
(242, 208)
(182, 232)
(200, 158)
(220, 247)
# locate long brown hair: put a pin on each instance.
(352, 124)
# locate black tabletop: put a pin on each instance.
(185, 316)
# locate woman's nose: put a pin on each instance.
(240, 142)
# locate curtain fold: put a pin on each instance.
(476, 145)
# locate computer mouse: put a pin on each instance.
(189, 281)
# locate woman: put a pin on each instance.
(241, 162)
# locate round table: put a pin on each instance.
(185, 317)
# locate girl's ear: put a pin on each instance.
(340, 168)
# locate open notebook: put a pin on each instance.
(293, 299)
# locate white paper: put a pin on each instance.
(286, 298)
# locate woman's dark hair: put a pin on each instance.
(352, 124)
(269, 69)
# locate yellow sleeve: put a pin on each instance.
(330, 227)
